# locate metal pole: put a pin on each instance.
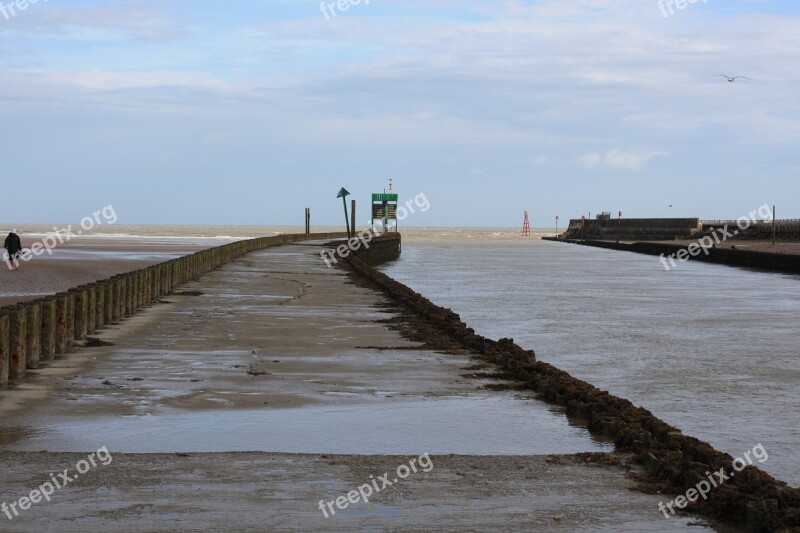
(346, 218)
(343, 194)
(773, 224)
(353, 217)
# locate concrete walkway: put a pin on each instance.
(274, 384)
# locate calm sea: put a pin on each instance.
(713, 350)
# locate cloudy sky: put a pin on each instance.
(248, 111)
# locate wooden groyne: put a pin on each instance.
(33, 333)
(774, 262)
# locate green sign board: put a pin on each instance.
(384, 197)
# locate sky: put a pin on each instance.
(245, 112)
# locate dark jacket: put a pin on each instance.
(13, 244)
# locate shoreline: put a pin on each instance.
(84, 260)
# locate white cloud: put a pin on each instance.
(138, 20)
(591, 160)
(634, 160)
(414, 84)
(621, 159)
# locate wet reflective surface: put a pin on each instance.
(711, 349)
(473, 426)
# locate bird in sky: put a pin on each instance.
(731, 79)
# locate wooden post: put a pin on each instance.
(17, 336)
(773, 225)
(352, 218)
(48, 339)
(91, 309)
(127, 297)
(70, 318)
(108, 302)
(81, 313)
(33, 337)
(99, 306)
(4, 355)
(62, 323)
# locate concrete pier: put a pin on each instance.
(276, 343)
(299, 338)
(35, 332)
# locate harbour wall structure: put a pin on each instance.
(632, 229)
(33, 333)
(671, 461)
(382, 249)
(783, 230)
(774, 262)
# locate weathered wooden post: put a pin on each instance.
(48, 338)
(4, 355)
(119, 298)
(139, 290)
(33, 337)
(352, 218)
(134, 278)
(17, 336)
(125, 297)
(62, 323)
(81, 313)
(99, 305)
(157, 283)
(149, 276)
(91, 309)
(108, 302)
(70, 322)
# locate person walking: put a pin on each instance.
(13, 246)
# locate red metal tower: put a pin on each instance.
(526, 226)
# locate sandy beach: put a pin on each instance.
(85, 260)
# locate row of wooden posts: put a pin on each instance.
(34, 332)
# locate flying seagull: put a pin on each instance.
(730, 79)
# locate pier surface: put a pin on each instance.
(273, 384)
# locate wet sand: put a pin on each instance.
(85, 260)
(273, 332)
(282, 492)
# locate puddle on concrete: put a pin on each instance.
(469, 426)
